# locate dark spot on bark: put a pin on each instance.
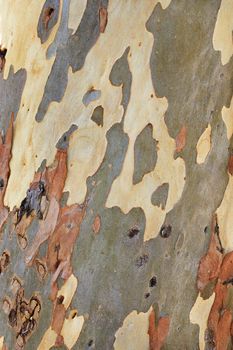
(134, 231)
(153, 281)
(98, 116)
(60, 299)
(2, 58)
(228, 281)
(142, 260)
(147, 295)
(48, 19)
(1, 183)
(90, 343)
(165, 231)
(206, 229)
(32, 201)
(145, 154)
(12, 317)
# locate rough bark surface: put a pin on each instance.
(116, 164)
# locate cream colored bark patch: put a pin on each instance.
(76, 11)
(199, 315)
(227, 116)
(134, 332)
(203, 145)
(71, 329)
(48, 340)
(222, 38)
(1, 343)
(67, 290)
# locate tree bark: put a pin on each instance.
(116, 166)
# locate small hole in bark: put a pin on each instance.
(12, 317)
(153, 281)
(1, 183)
(142, 260)
(165, 231)
(47, 16)
(206, 229)
(133, 232)
(147, 295)
(60, 299)
(74, 315)
(2, 58)
(90, 343)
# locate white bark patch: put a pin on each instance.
(204, 145)
(222, 38)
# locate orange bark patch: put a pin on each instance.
(181, 139)
(54, 178)
(96, 224)
(103, 18)
(209, 267)
(58, 316)
(62, 241)
(157, 335)
(5, 156)
(220, 317)
(230, 164)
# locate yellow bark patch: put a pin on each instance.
(203, 145)
(67, 290)
(134, 332)
(48, 340)
(1, 343)
(222, 38)
(199, 315)
(72, 328)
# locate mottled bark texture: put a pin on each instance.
(116, 164)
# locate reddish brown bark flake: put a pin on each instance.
(103, 18)
(157, 334)
(5, 156)
(230, 164)
(181, 139)
(209, 267)
(96, 224)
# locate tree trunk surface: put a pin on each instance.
(116, 164)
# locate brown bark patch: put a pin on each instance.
(96, 224)
(157, 334)
(209, 266)
(181, 139)
(103, 18)
(230, 164)
(5, 156)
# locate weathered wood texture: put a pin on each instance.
(116, 164)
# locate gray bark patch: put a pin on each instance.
(11, 90)
(90, 96)
(145, 154)
(159, 196)
(120, 75)
(63, 142)
(98, 116)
